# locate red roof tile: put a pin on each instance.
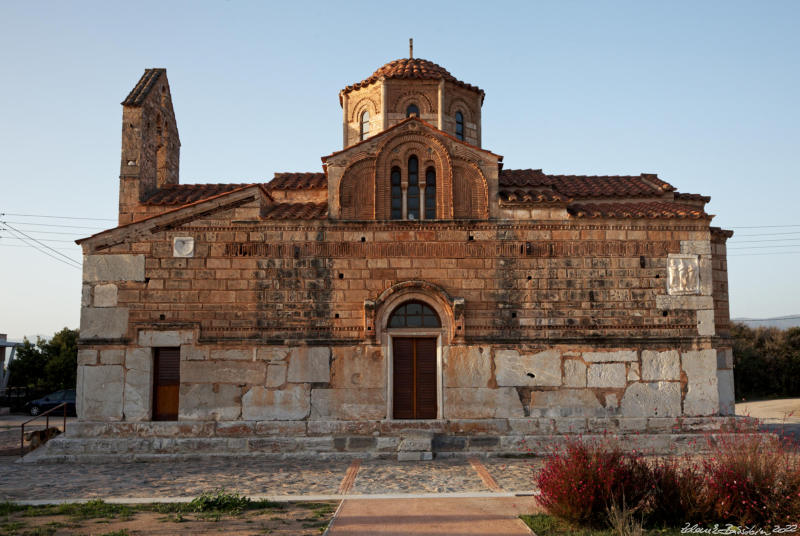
(143, 86)
(411, 69)
(587, 186)
(298, 181)
(692, 197)
(532, 196)
(182, 194)
(296, 211)
(647, 209)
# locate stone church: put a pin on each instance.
(411, 298)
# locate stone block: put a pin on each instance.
(310, 364)
(354, 367)
(232, 354)
(654, 399)
(607, 375)
(276, 374)
(532, 426)
(476, 426)
(726, 392)
(347, 404)
(112, 357)
(705, 322)
(449, 443)
(407, 456)
(541, 369)
(632, 424)
(571, 425)
(113, 268)
(204, 401)
(236, 372)
(272, 353)
(281, 428)
(288, 404)
(100, 391)
(138, 359)
(574, 373)
(725, 358)
(86, 295)
(610, 357)
(481, 403)
(467, 366)
(696, 247)
(483, 442)
(194, 353)
(104, 323)
(611, 401)
(659, 366)
(87, 357)
(633, 372)
(105, 295)
(154, 338)
(667, 303)
(415, 443)
(565, 402)
(361, 443)
(137, 404)
(338, 428)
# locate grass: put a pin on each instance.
(547, 525)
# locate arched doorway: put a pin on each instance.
(414, 330)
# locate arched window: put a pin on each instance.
(412, 110)
(412, 202)
(414, 314)
(364, 132)
(459, 125)
(397, 195)
(430, 194)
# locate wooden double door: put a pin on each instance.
(414, 377)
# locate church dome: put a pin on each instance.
(411, 69)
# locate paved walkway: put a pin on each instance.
(423, 517)
(257, 477)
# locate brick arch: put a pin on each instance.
(470, 192)
(420, 99)
(364, 103)
(430, 151)
(460, 105)
(449, 309)
(357, 191)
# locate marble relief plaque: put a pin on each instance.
(683, 274)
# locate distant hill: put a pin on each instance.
(781, 322)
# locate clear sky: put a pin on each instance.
(703, 93)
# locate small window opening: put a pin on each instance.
(414, 314)
(412, 110)
(397, 195)
(412, 201)
(364, 125)
(430, 194)
(460, 126)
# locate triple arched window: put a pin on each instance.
(460, 126)
(364, 129)
(417, 200)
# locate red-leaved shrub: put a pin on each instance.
(581, 481)
(754, 478)
(677, 494)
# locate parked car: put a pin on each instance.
(35, 407)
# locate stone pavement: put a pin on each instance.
(263, 478)
(422, 517)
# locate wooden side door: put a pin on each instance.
(414, 378)
(166, 383)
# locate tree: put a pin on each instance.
(49, 365)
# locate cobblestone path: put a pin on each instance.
(254, 477)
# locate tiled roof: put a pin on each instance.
(587, 186)
(296, 211)
(645, 209)
(411, 69)
(533, 196)
(692, 197)
(298, 181)
(182, 194)
(143, 86)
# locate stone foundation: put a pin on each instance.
(403, 440)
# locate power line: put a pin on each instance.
(39, 239)
(75, 265)
(763, 226)
(72, 233)
(770, 246)
(70, 259)
(56, 225)
(768, 240)
(766, 234)
(55, 217)
(27, 246)
(765, 319)
(768, 253)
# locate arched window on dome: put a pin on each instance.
(364, 131)
(460, 126)
(397, 195)
(413, 188)
(412, 110)
(430, 194)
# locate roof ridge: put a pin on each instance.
(143, 86)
